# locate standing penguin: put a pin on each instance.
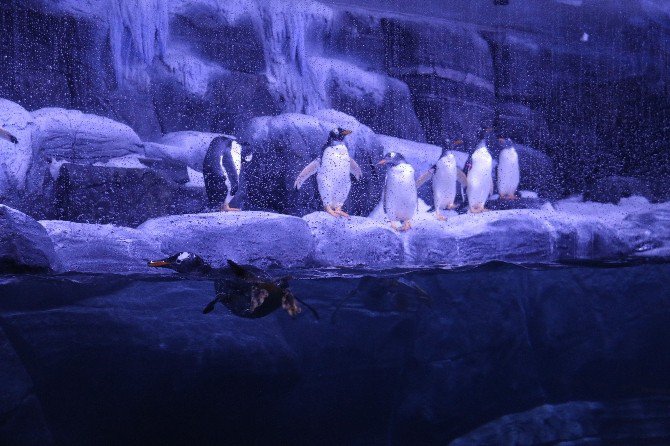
(508, 170)
(445, 174)
(333, 169)
(480, 174)
(222, 170)
(399, 195)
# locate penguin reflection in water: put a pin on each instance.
(223, 169)
(399, 195)
(333, 169)
(247, 292)
(445, 174)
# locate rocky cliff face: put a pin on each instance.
(584, 81)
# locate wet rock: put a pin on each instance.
(612, 189)
(75, 136)
(354, 242)
(17, 159)
(123, 196)
(283, 145)
(256, 238)
(24, 244)
(378, 101)
(22, 421)
(188, 147)
(634, 421)
(91, 248)
(453, 90)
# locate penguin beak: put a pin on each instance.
(458, 142)
(158, 263)
(501, 140)
(382, 162)
(345, 132)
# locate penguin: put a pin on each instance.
(508, 170)
(445, 175)
(399, 196)
(247, 292)
(222, 169)
(4, 134)
(333, 169)
(480, 175)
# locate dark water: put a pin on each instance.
(112, 360)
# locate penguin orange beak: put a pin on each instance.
(501, 139)
(382, 162)
(158, 263)
(346, 132)
(458, 142)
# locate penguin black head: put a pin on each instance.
(246, 152)
(457, 144)
(182, 262)
(392, 159)
(338, 134)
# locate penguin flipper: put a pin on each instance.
(4, 134)
(425, 177)
(228, 166)
(462, 178)
(355, 169)
(307, 172)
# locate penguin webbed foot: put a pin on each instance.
(331, 211)
(439, 216)
(290, 305)
(341, 213)
(406, 226)
(227, 208)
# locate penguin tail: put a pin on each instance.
(8, 136)
(431, 209)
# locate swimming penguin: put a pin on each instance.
(333, 169)
(247, 292)
(222, 170)
(399, 196)
(508, 170)
(480, 174)
(4, 134)
(445, 175)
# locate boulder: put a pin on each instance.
(537, 172)
(188, 147)
(612, 189)
(22, 421)
(517, 236)
(109, 249)
(76, 136)
(452, 91)
(257, 238)
(123, 196)
(355, 242)
(376, 100)
(15, 159)
(283, 145)
(24, 244)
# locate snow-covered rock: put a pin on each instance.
(355, 242)
(189, 147)
(24, 244)
(15, 159)
(258, 238)
(110, 249)
(75, 136)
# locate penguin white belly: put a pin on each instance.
(400, 199)
(236, 153)
(508, 172)
(444, 182)
(480, 178)
(332, 178)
